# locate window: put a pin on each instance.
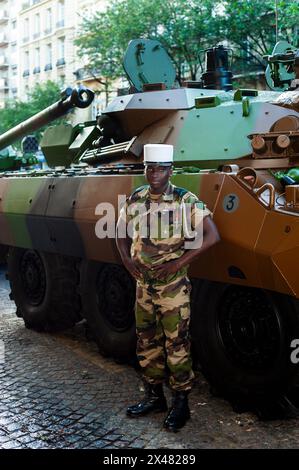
(26, 64)
(48, 65)
(26, 60)
(48, 21)
(26, 30)
(37, 56)
(60, 52)
(36, 25)
(49, 53)
(60, 14)
(36, 60)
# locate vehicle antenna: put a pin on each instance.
(276, 21)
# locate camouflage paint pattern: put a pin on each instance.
(55, 211)
(57, 215)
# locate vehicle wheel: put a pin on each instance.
(243, 340)
(108, 298)
(44, 288)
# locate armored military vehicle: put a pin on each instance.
(235, 149)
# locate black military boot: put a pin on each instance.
(179, 412)
(154, 401)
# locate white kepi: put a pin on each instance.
(158, 154)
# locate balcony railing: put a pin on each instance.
(36, 69)
(60, 62)
(3, 84)
(3, 16)
(48, 67)
(26, 73)
(3, 61)
(3, 39)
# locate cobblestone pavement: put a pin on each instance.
(56, 391)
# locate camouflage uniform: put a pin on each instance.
(162, 306)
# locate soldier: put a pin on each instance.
(156, 256)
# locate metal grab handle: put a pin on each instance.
(262, 189)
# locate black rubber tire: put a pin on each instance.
(44, 287)
(242, 337)
(3, 254)
(108, 299)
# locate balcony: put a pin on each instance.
(3, 40)
(26, 73)
(3, 16)
(3, 62)
(48, 67)
(3, 84)
(60, 62)
(36, 69)
(60, 24)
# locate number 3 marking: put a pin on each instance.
(230, 203)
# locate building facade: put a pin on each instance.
(37, 44)
(9, 44)
(46, 49)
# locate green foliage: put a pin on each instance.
(250, 25)
(15, 112)
(185, 28)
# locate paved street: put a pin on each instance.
(58, 392)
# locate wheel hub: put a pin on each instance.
(249, 328)
(33, 277)
(115, 298)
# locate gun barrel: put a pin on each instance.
(78, 97)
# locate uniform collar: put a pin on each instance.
(167, 195)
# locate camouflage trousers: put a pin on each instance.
(162, 323)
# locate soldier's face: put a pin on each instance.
(158, 177)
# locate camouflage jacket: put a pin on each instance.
(159, 228)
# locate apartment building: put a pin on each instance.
(36, 44)
(9, 42)
(46, 49)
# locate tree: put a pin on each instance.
(250, 25)
(40, 97)
(183, 28)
